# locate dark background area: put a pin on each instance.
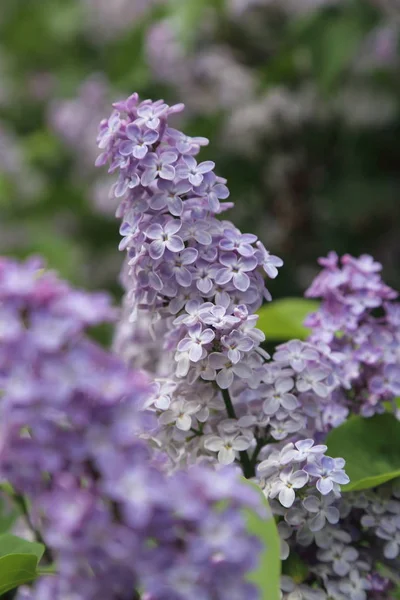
(300, 100)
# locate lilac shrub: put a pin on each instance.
(218, 396)
(114, 523)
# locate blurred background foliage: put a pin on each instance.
(300, 98)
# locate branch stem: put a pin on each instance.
(247, 466)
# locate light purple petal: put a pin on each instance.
(183, 277)
(287, 497)
(207, 336)
(139, 151)
(228, 259)
(195, 352)
(225, 378)
(241, 281)
(158, 201)
(156, 249)
(155, 232)
(174, 244)
(298, 479)
(167, 172)
(289, 401)
(216, 360)
(133, 132)
(223, 276)
(173, 226)
(324, 485)
(125, 148)
(189, 255)
(175, 205)
(205, 166)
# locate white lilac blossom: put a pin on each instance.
(71, 420)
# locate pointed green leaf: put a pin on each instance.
(16, 570)
(267, 575)
(11, 544)
(283, 319)
(371, 448)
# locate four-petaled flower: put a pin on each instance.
(328, 473)
(212, 189)
(236, 343)
(227, 369)
(279, 395)
(158, 165)
(164, 237)
(296, 354)
(241, 242)
(286, 485)
(194, 342)
(177, 264)
(322, 510)
(170, 194)
(194, 171)
(149, 114)
(138, 141)
(181, 413)
(227, 445)
(340, 556)
(235, 269)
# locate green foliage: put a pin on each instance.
(283, 319)
(267, 574)
(371, 448)
(188, 15)
(295, 567)
(8, 514)
(18, 561)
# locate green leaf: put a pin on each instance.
(296, 568)
(283, 319)
(187, 16)
(8, 513)
(337, 42)
(267, 575)
(11, 544)
(371, 448)
(18, 561)
(16, 570)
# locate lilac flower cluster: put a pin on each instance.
(203, 279)
(345, 557)
(360, 324)
(196, 281)
(71, 414)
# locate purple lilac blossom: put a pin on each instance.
(71, 417)
(364, 344)
(199, 280)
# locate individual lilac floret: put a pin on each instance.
(328, 474)
(192, 171)
(138, 142)
(321, 510)
(288, 482)
(296, 354)
(342, 557)
(163, 237)
(193, 344)
(158, 165)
